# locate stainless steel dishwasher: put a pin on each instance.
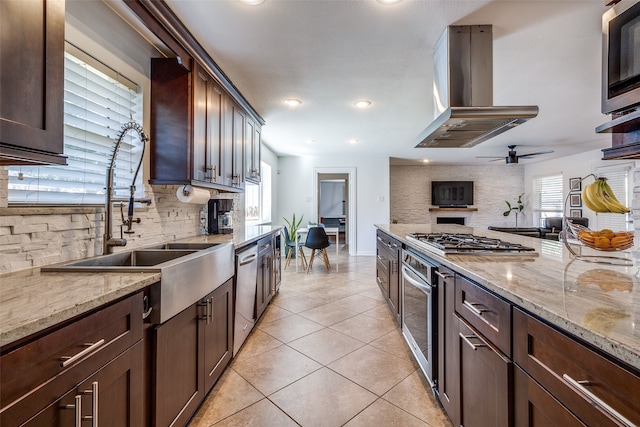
(246, 282)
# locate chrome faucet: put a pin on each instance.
(109, 241)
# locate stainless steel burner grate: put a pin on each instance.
(454, 243)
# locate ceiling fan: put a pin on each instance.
(512, 157)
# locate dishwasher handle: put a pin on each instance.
(247, 259)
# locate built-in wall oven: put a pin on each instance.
(419, 306)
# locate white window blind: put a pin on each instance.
(97, 102)
(258, 198)
(618, 179)
(547, 197)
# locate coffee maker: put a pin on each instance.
(220, 217)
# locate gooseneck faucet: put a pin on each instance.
(109, 241)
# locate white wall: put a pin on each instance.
(296, 186)
(578, 165)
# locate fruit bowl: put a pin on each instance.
(602, 240)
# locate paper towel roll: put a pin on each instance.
(190, 194)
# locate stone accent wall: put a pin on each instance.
(35, 236)
(410, 193)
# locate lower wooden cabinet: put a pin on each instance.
(484, 381)
(388, 272)
(264, 291)
(536, 407)
(448, 365)
(90, 367)
(191, 351)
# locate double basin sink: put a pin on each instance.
(189, 271)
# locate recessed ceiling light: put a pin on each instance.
(425, 160)
(292, 102)
(362, 103)
(309, 141)
(389, 1)
(252, 2)
(353, 141)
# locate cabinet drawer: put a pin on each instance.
(589, 385)
(50, 365)
(489, 314)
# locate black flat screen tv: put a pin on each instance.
(446, 194)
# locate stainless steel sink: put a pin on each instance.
(189, 271)
(135, 260)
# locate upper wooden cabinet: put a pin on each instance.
(198, 133)
(252, 152)
(31, 82)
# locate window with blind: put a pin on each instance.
(258, 198)
(618, 179)
(97, 102)
(547, 197)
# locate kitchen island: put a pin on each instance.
(532, 332)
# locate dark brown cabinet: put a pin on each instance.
(447, 337)
(91, 366)
(32, 82)
(192, 350)
(198, 132)
(252, 151)
(587, 384)
(265, 275)
(388, 272)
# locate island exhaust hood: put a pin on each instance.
(463, 92)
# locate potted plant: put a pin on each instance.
(292, 226)
(517, 207)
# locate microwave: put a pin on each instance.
(621, 57)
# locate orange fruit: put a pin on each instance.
(621, 242)
(607, 233)
(602, 242)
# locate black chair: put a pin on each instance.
(292, 247)
(317, 241)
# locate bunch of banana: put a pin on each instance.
(599, 197)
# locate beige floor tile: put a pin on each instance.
(364, 328)
(414, 396)
(383, 413)
(261, 414)
(359, 303)
(257, 343)
(373, 369)
(290, 328)
(374, 293)
(381, 312)
(330, 293)
(231, 394)
(328, 314)
(394, 343)
(323, 398)
(273, 312)
(326, 345)
(274, 369)
(300, 303)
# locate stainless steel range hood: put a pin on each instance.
(463, 91)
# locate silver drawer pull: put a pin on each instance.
(467, 339)
(94, 404)
(578, 385)
(68, 360)
(472, 306)
(77, 407)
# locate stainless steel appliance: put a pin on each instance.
(621, 57)
(246, 282)
(463, 78)
(460, 243)
(419, 305)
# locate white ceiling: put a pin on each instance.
(329, 53)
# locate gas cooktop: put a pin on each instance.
(455, 243)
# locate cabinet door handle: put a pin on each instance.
(467, 339)
(378, 280)
(379, 257)
(77, 413)
(442, 275)
(210, 310)
(580, 386)
(472, 306)
(94, 404)
(68, 360)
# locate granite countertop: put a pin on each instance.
(599, 303)
(32, 301)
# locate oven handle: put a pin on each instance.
(418, 284)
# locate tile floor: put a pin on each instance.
(325, 353)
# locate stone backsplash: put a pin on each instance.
(33, 236)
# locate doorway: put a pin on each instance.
(335, 202)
